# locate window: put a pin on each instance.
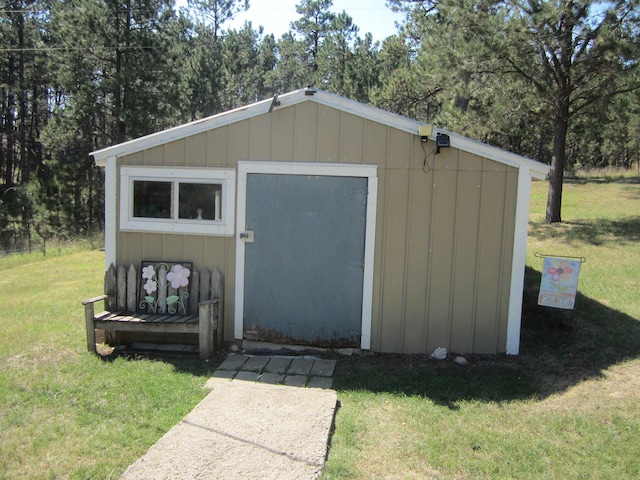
(177, 199)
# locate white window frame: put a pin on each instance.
(224, 177)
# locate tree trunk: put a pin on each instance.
(556, 175)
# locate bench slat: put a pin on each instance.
(148, 327)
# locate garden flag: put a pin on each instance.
(559, 283)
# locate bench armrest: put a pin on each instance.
(89, 318)
(94, 299)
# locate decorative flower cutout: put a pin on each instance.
(150, 286)
(178, 276)
(148, 272)
(560, 271)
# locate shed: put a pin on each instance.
(334, 223)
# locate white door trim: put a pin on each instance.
(320, 169)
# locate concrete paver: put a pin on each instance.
(283, 370)
(247, 376)
(233, 362)
(272, 378)
(277, 365)
(295, 380)
(224, 374)
(323, 367)
(300, 366)
(255, 364)
(320, 382)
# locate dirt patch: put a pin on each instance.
(245, 430)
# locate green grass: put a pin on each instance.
(567, 407)
(65, 413)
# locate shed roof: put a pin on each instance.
(538, 170)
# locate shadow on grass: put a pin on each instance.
(558, 350)
(603, 180)
(595, 232)
(181, 363)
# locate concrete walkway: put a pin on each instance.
(255, 424)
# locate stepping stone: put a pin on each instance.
(272, 378)
(323, 368)
(255, 364)
(300, 366)
(295, 380)
(277, 365)
(247, 376)
(320, 382)
(233, 362)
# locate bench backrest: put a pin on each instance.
(173, 288)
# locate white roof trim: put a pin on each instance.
(538, 170)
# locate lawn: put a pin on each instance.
(567, 407)
(65, 413)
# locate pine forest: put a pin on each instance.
(553, 80)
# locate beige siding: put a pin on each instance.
(444, 234)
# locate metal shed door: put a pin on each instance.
(304, 265)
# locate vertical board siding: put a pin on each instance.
(175, 153)
(490, 260)
(260, 138)
(152, 246)
(375, 145)
(395, 227)
(444, 236)
(237, 142)
(217, 147)
(418, 231)
(442, 249)
(352, 145)
(305, 139)
(465, 274)
(153, 156)
(283, 128)
(329, 134)
(130, 248)
(195, 149)
(173, 247)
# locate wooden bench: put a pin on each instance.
(164, 297)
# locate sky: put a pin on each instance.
(276, 15)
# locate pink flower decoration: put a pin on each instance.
(178, 276)
(560, 271)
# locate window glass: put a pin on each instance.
(151, 199)
(199, 201)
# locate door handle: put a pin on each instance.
(247, 236)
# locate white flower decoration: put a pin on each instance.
(178, 276)
(150, 286)
(148, 272)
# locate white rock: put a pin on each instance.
(461, 361)
(439, 353)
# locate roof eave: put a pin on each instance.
(537, 169)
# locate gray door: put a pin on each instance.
(304, 270)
